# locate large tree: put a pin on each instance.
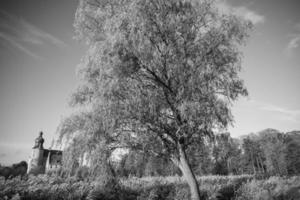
(161, 73)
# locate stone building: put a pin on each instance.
(43, 160)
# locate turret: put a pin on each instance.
(37, 160)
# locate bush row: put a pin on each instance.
(275, 188)
(149, 188)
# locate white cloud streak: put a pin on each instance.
(293, 44)
(292, 115)
(282, 110)
(38, 36)
(241, 11)
(12, 42)
(22, 35)
(294, 41)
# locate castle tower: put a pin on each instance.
(37, 160)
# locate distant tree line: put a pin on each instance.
(268, 152)
(18, 169)
(271, 152)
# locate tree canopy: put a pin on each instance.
(164, 68)
(160, 74)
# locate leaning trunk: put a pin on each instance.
(187, 172)
(253, 166)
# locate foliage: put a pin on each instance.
(165, 69)
(87, 160)
(253, 159)
(139, 164)
(109, 189)
(210, 184)
(264, 154)
(272, 143)
(253, 154)
(292, 142)
(54, 187)
(44, 187)
(200, 157)
(157, 192)
(159, 75)
(273, 188)
(212, 187)
(18, 169)
(271, 152)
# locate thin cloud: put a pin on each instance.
(19, 34)
(250, 15)
(13, 43)
(292, 115)
(285, 114)
(293, 44)
(38, 36)
(282, 110)
(294, 41)
(241, 11)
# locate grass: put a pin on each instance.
(243, 187)
(150, 181)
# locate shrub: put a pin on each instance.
(105, 189)
(277, 188)
(109, 188)
(82, 173)
(44, 187)
(157, 192)
(149, 188)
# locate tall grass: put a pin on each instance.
(275, 188)
(149, 181)
(244, 187)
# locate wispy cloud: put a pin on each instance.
(294, 41)
(38, 36)
(242, 11)
(13, 43)
(292, 45)
(285, 111)
(19, 34)
(292, 115)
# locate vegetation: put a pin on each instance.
(273, 188)
(271, 152)
(266, 153)
(138, 176)
(44, 187)
(18, 169)
(158, 78)
(212, 187)
(158, 82)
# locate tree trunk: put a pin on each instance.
(253, 166)
(258, 166)
(187, 172)
(262, 165)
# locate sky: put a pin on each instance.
(39, 55)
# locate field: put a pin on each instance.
(242, 187)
